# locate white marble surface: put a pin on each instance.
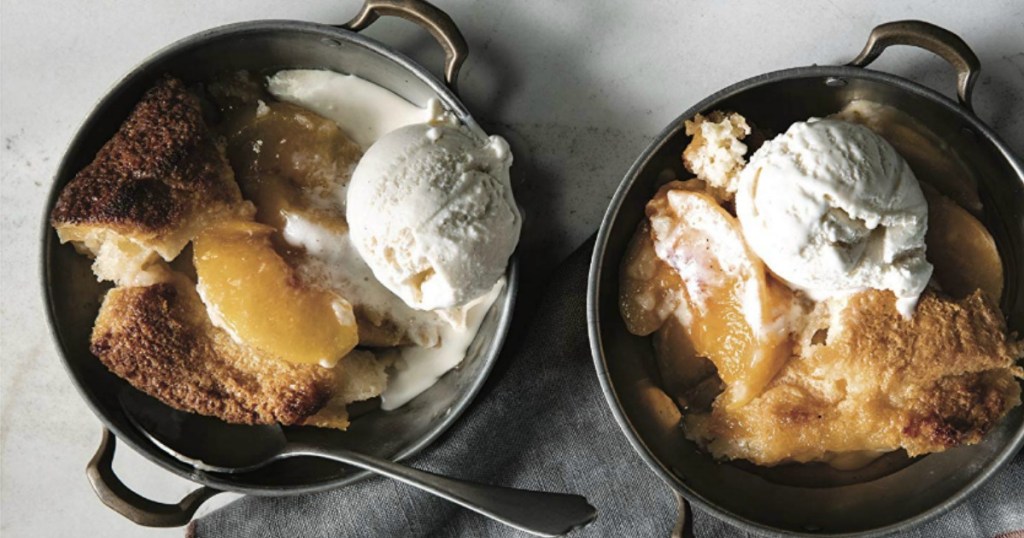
(578, 87)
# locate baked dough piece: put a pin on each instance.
(160, 179)
(160, 339)
(863, 378)
(716, 152)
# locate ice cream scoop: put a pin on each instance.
(832, 209)
(430, 209)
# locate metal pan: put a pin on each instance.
(73, 295)
(894, 494)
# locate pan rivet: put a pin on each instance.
(835, 82)
(969, 134)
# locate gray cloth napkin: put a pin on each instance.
(542, 423)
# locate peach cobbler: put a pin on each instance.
(225, 214)
(812, 300)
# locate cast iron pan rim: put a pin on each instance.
(235, 31)
(597, 263)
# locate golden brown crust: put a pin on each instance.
(161, 166)
(877, 382)
(944, 336)
(959, 410)
(160, 340)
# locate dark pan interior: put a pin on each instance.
(74, 295)
(808, 499)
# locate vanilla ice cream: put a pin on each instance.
(430, 209)
(833, 209)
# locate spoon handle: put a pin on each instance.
(536, 512)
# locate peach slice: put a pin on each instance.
(732, 309)
(689, 378)
(289, 159)
(649, 290)
(961, 249)
(255, 295)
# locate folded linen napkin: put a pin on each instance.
(542, 423)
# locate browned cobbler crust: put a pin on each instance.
(160, 340)
(161, 166)
(961, 409)
(877, 382)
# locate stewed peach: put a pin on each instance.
(961, 249)
(731, 305)
(260, 301)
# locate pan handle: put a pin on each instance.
(116, 495)
(940, 41)
(425, 14)
(684, 519)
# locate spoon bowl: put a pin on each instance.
(206, 443)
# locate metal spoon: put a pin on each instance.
(212, 445)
